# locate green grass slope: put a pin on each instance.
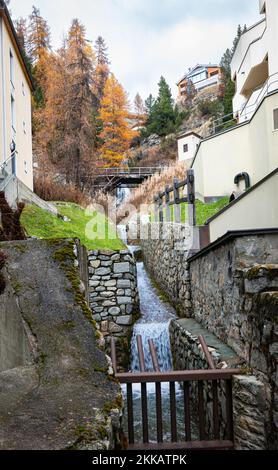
(93, 229)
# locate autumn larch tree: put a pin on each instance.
(38, 50)
(102, 67)
(117, 134)
(80, 101)
(140, 111)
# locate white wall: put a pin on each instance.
(254, 45)
(257, 209)
(251, 148)
(192, 141)
(22, 96)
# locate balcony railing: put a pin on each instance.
(245, 114)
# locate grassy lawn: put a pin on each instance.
(203, 211)
(82, 224)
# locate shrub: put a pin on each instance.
(11, 228)
(49, 190)
(210, 108)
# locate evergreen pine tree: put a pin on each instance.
(102, 69)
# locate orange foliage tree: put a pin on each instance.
(116, 134)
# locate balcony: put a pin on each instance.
(206, 83)
(251, 39)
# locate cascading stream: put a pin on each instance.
(153, 324)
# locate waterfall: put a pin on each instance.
(154, 324)
(159, 333)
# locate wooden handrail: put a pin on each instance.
(177, 376)
(207, 354)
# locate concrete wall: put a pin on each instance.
(241, 214)
(67, 398)
(250, 148)
(21, 92)
(15, 349)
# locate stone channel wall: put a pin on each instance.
(231, 289)
(234, 291)
(166, 248)
(113, 296)
(249, 393)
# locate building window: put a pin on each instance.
(185, 148)
(13, 112)
(12, 68)
(275, 119)
(214, 73)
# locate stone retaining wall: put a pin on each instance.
(232, 290)
(113, 295)
(249, 393)
(57, 387)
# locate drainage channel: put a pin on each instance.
(156, 315)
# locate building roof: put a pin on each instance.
(198, 66)
(4, 13)
(188, 133)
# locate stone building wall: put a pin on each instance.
(113, 295)
(249, 393)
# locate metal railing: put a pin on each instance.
(245, 114)
(163, 201)
(197, 385)
(8, 168)
(126, 171)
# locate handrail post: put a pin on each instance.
(156, 210)
(160, 202)
(167, 201)
(177, 212)
(113, 354)
(191, 198)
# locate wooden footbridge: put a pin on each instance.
(197, 386)
(108, 179)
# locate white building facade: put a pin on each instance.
(187, 146)
(255, 63)
(15, 106)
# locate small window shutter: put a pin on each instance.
(275, 118)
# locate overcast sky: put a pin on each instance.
(150, 38)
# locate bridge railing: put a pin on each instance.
(121, 171)
(164, 201)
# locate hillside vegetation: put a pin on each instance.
(77, 223)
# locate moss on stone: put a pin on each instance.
(117, 404)
(65, 256)
(268, 270)
(16, 286)
(102, 432)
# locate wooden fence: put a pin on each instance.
(172, 197)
